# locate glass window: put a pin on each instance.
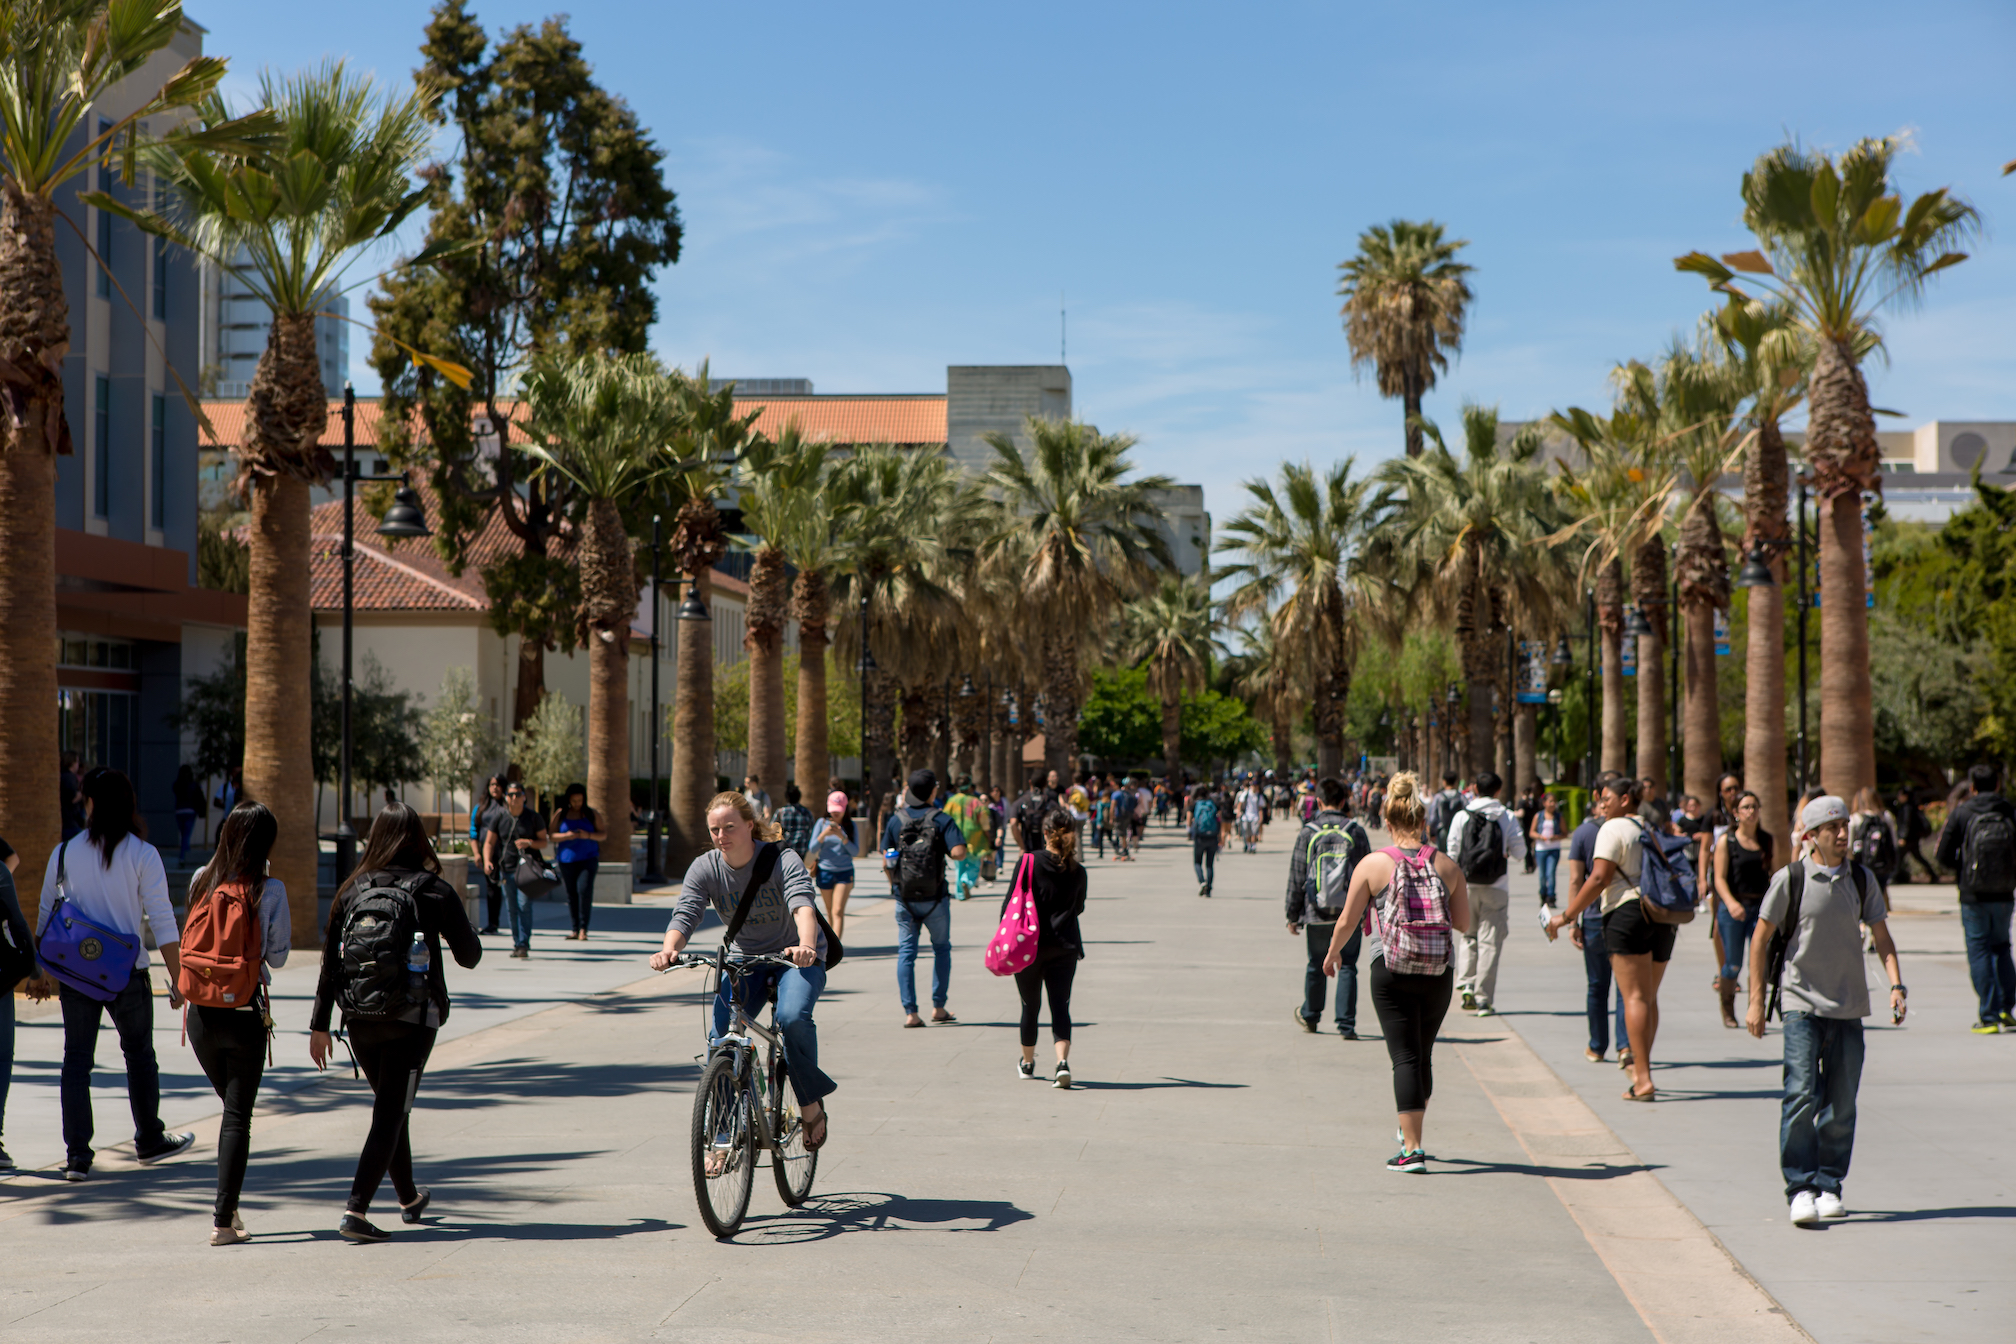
(161, 278)
(101, 450)
(158, 457)
(100, 726)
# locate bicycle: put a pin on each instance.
(743, 1108)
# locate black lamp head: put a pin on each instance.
(1637, 624)
(406, 517)
(967, 690)
(1755, 573)
(1564, 656)
(1455, 696)
(693, 609)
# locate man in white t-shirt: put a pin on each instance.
(1490, 894)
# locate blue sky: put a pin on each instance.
(874, 191)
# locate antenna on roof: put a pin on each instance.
(1061, 328)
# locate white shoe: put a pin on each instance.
(233, 1235)
(1805, 1212)
(1025, 1068)
(1830, 1206)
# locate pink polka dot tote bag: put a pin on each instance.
(1014, 946)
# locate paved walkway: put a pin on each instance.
(1217, 1175)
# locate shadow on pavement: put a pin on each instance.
(1922, 1215)
(825, 1216)
(1604, 1172)
(431, 1231)
(1143, 1087)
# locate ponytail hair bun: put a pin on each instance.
(1404, 810)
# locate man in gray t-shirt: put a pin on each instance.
(1826, 996)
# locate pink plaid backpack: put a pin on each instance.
(1414, 914)
(1014, 945)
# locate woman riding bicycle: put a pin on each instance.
(782, 921)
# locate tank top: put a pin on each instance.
(1750, 869)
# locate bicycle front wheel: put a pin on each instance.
(792, 1163)
(724, 1147)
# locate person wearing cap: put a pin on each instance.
(926, 910)
(833, 847)
(1825, 997)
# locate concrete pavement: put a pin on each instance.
(1217, 1174)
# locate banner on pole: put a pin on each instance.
(1722, 634)
(1628, 645)
(1532, 689)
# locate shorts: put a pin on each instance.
(829, 878)
(1628, 933)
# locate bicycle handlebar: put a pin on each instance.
(740, 962)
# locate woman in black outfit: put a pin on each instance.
(230, 1043)
(1742, 876)
(1058, 882)
(392, 1051)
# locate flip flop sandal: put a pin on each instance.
(1633, 1094)
(947, 1018)
(813, 1145)
(909, 1026)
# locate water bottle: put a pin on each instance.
(418, 959)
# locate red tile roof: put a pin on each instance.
(227, 418)
(407, 573)
(910, 419)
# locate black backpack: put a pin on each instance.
(1988, 854)
(1775, 953)
(379, 922)
(1035, 810)
(1483, 856)
(920, 871)
(1877, 848)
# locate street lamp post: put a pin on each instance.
(1802, 631)
(406, 518)
(1554, 702)
(1589, 701)
(653, 874)
(1673, 789)
(867, 666)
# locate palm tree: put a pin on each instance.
(1836, 244)
(1464, 539)
(1267, 676)
(1298, 544)
(1404, 305)
(1083, 539)
(608, 424)
(1172, 630)
(59, 59)
(288, 221)
(1770, 360)
(711, 439)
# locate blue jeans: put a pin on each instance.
(1596, 965)
(520, 906)
(1314, 982)
(1550, 861)
(1986, 924)
(938, 922)
(1204, 857)
(1823, 1071)
(1736, 935)
(798, 990)
(133, 1017)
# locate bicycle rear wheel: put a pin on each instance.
(724, 1148)
(791, 1162)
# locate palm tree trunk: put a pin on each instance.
(916, 729)
(1841, 446)
(1701, 716)
(969, 738)
(531, 687)
(1610, 617)
(608, 603)
(1282, 728)
(878, 760)
(1648, 586)
(1480, 673)
(941, 731)
(34, 337)
(1060, 702)
(1411, 401)
(1767, 530)
(278, 643)
(814, 752)
(1172, 737)
(1525, 746)
(764, 639)
(693, 779)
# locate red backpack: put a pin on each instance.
(222, 948)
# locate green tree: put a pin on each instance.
(213, 713)
(1219, 727)
(1405, 299)
(1836, 244)
(1121, 721)
(59, 60)
(553, 218)
(550, 748)
(385, 732)
(1172, 633)
(456, 743)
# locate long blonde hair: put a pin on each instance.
(1404, 810)
(762, 830)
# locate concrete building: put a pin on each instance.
(131, 622)
(235, 324)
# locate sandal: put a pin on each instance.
(1633, 1094)
(814, 1141)
(942, 1016)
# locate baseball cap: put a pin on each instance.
(1823, 810)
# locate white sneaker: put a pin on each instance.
(1805, 1211)
(1830, 1206)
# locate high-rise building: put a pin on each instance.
(235, 323)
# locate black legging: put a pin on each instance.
(1411, 1009)
(393, 1055)
(230, 1044)
(1030, 982)
(579, 878)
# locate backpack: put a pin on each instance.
(1414, 919)
(1483, 857)
(1442, 809)
(920, 873)
(1016, 938)
(1327, 867)
(1988, 854)
(1667, 891)
(1877, 847)
(1204, 818)
(379, 922)
(1035, 810)
(222, 948)
(1778, 951)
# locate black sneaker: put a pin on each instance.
(356, 1227)
(1025, 1068)
(1307, 1024)
(410, 1213)
(74, 1171)
(171, 1144)
(1346, 1033)
(7, 1166)
(1062, 1077)
(1409, 1160)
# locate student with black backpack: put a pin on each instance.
(1979, 844)
(1325, 854)
(381, 962)
(916, 842)
(1485, 839)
